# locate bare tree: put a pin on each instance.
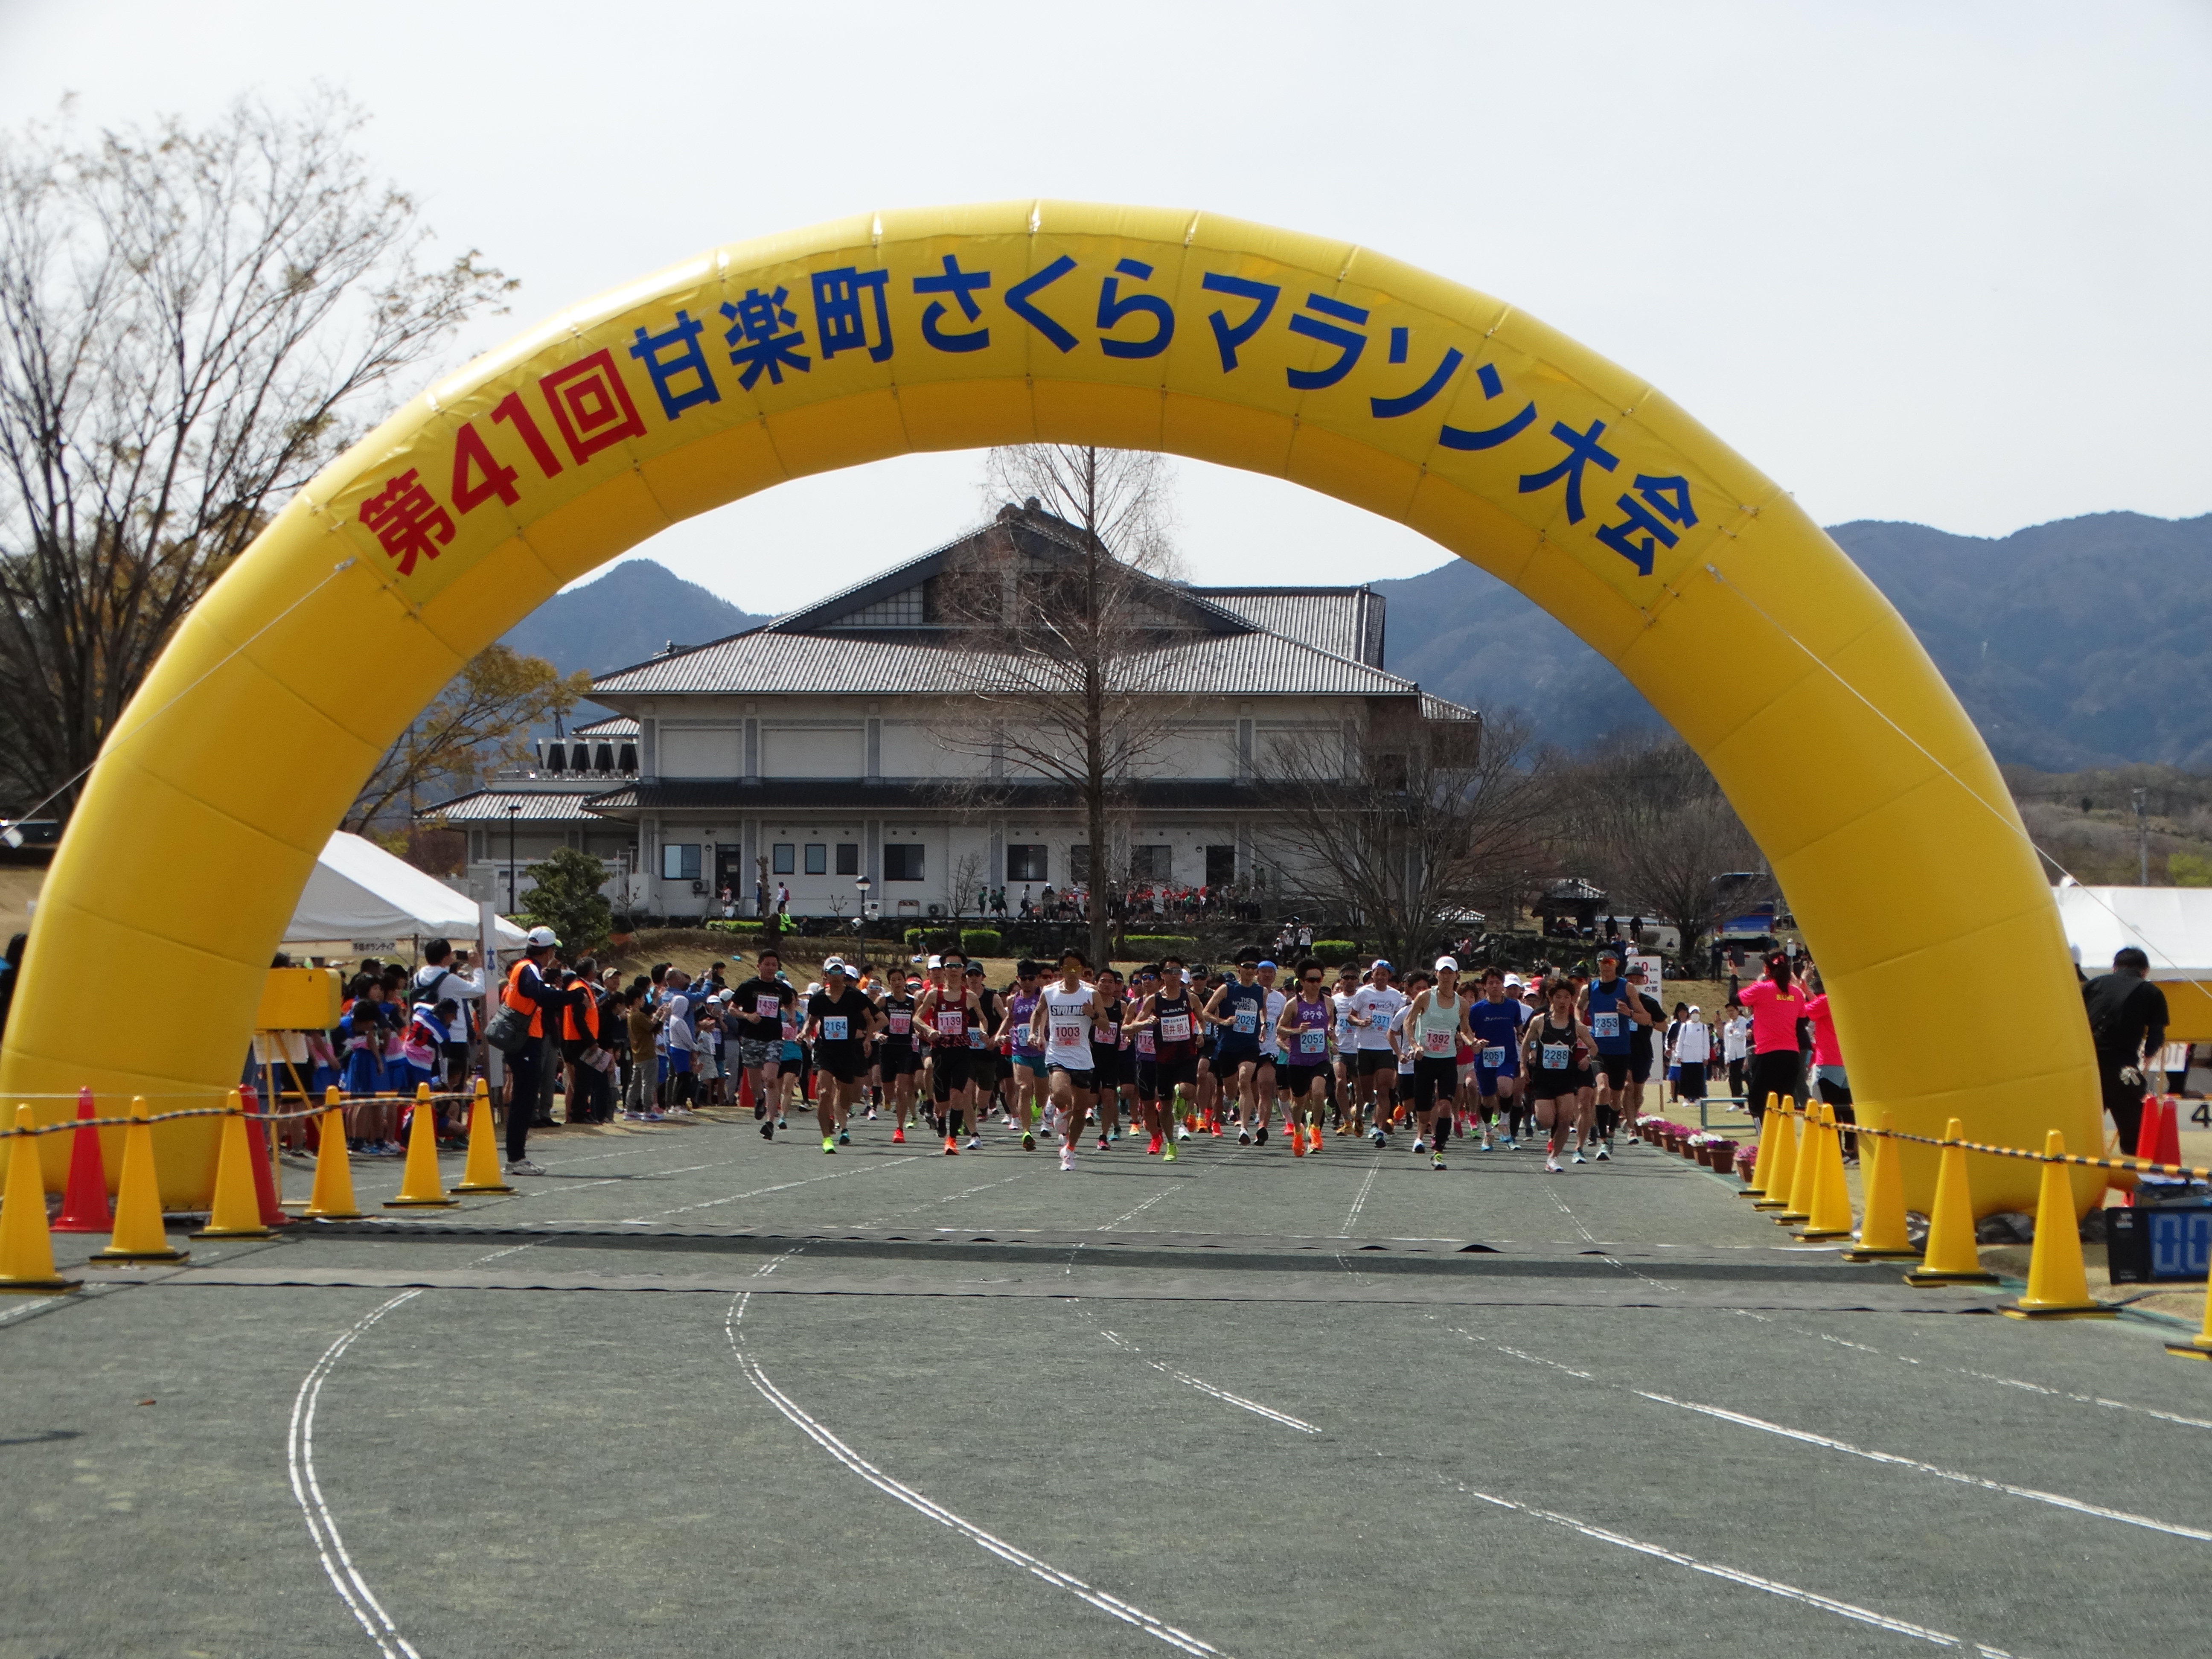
(192, 323)
(1450, 817)
(1643, 810)
(966, 877)
(1066, 626)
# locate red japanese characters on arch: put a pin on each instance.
(407, 520)
(590, 405)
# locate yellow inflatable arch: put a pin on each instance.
(951, 328)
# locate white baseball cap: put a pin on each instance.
(834, 965)
(936, 962)
(539, 938)
(1444, 963)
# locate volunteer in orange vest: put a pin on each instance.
(529, 992)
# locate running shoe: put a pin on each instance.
(523, 1166)
(1168, 1153)
(767, 1130)
(1029, 1141)
(1552, 1163)
(780, 1123)
(951, 1147)
(1436, 1160)
(845, 1136)
(1243, 1137)
(872, 1114)
(830, 1143)
(1104, 1145)
(1297, 1145)
(1509, 1143)
(1067, 1158)
(1603, 1156)
(1579, 1157)
(974, 1143)
(1420, 1147)
(1153, 1146)
(898, 1137)
(758, 1111)
(1259, 1135)
(1378, 1137)
(1315, 1133)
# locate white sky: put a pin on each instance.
(1938, 262)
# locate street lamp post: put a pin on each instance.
(513, 813)
(860, 921)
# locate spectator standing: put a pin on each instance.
(2127, 1023)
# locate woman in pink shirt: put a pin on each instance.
(1829, 1079)
(1777, 1004)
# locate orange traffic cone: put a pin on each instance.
(1756, 1187)
(27, 1250)
(2057, 1286)
(139, 1234)
(235, 1212)
(420, 1188)
(1778, 1165)
(481, 1173)
(333, 1198)
(266, 1197)
(2169, 1133)
(1883, 1235)
(85, 1208)
(1952, 1256)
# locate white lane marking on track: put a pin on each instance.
(322, 1525)
(949, 1198)
(2005, 1382)
(1590, 1238)
(511, 1249)
(1738, 1576)
(1806, 1436)
(1058, 1577)
(1360, 1203)
(1206, 1388)
(2057, 1500)
(762, 1192)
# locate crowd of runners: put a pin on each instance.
(1076, 1057)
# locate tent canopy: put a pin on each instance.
(358, 890)
(2172, 925)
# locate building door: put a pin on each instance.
(1220, 866)
(730, 872)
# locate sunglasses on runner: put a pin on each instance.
(1312, 979)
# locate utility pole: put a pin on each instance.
(2142, 838)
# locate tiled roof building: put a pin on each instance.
(825, 746)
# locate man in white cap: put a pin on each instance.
(840, 1019)
(529, 992)
(1374, 1005)
(1435, 1025)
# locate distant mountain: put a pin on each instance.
(2084, 642)
(629, 614)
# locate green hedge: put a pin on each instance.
(722, 925)
(1334, 951)
(980, 941)
(1160, 944)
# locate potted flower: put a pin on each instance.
(1747, 1164)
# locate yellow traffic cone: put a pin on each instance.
(1831, 1206)
(26, 1248)
(139, 1234)
(1951, 1257)
(481, 1173)
(1804, 1164)
(1883, 1236)
(333, 1199)
(420, 1188)
(1756, 1187)
(2200, 1346)
(2058, 1288)
(1776, 1166)
(235, 1210)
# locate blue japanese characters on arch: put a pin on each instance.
(775, 334)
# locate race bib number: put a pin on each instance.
(1247, 1019)
(1436, 1044)
(975, 1038)
(767, 1007)
(833, 1028)
(1175, 1028)
(1555, 1056)
(1313, 1042)
(902, 1021)
(951, 1021)
(1144, 1044)
(1067, 1037)
(1605, 1025)
(1494, 1057)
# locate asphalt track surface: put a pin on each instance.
(692, 1393)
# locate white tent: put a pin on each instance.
(360, 891)
(2172, 925)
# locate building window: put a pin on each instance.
(1026, 863)
(679, 861)
(817, 858)
(1388, 770)
(903, 862)
(1151, 863)
(1220, 866)
(782, 861)
(849, 858)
